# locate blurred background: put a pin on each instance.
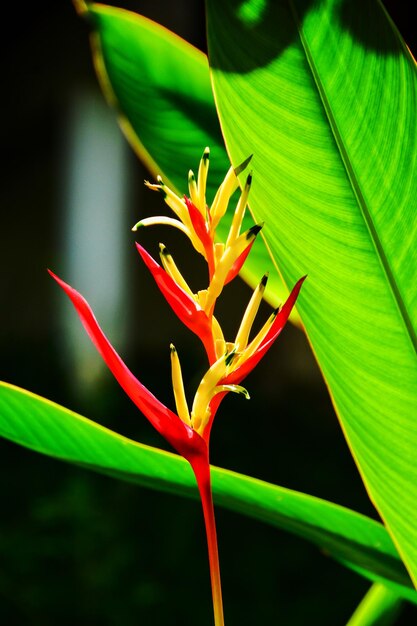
(80, 548)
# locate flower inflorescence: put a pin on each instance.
(188, 430)
(229, 361)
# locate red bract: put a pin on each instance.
(184, 306)
(276, 327)
(238, 264)
(237, 375)
(202, 230)
(184, 439)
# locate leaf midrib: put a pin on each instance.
(361, 202)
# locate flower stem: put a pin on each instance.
(380, 605)
(201, 470)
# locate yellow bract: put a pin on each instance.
(199, 224)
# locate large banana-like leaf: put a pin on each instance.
(355, 540)
(325, 95)
(160, 86)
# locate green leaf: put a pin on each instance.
(160, 87)
(353, 539)
(324, 94)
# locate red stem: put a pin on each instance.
(201, 470)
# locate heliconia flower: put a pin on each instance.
(188, 430)
(183, 431)
(229, 362)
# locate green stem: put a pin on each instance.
(201, 469)
(380, 607)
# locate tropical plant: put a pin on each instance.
(323, 94)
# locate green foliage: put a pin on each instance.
(160, 87)
(353, 539)
(327, 104)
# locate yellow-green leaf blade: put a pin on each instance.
(325, 96)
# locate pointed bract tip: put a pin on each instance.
(172, 347)
(249, 180)
(163, 249)
(159, 186)
(140, 248)
(252, 232)
(243, 165)
(136, 227)
(191, 175)
(244, 392)
(206, 153)
(299, 282)
(159, 179)
(264, 279)
(229, 357)
(59, 280)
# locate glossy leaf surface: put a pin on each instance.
(160, 87)
(353, 539)
(325, 96)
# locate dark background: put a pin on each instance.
(76, 548)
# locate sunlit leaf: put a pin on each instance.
(325, 96)
(160, 87)
(355, 540)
